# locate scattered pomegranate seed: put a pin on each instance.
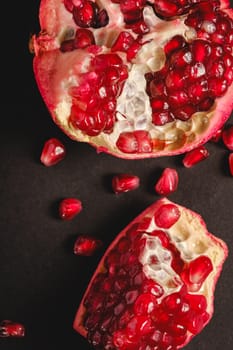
(195, 156)
(167, 182)
(230, 158)
(227, 137)
(125, 183)
(69, 208)
(11, 329)
(53, 152)
(86, 245)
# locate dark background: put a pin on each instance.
(41, 280)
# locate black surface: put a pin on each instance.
(41, 280)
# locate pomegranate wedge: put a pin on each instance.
(136, 79)
(154, 286)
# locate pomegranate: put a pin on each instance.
(154, 286)
(136, 79)
(195, 156)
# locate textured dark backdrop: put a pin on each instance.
(41, 281)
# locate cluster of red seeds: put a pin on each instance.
(87, 13)
(194, 75)
(125, 309)
(94, 100)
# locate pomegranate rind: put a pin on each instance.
(190, 223)
(54, 21)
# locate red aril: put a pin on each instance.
(69, 208)
(10, 328)
(53, 152)
(125, 183)
(168, 182)
(136, 79)
(227, 137)
(195, 156)
(86, 245)
(149, 292)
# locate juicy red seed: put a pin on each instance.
(173, 302)
(69, 208)
(123, 42)
(200, 50)
(230, 161)
(161, 118)
(195, 156)
(133, 142)
(85, 15)
(131, 296)
(175, 43)
(132, 5)
(69, 5)
(195, 324)
(133, 50)
(177, 329)
(53, 152)
(166, 215)
(199, 269)
(227, 137)
(217, 86)
(167, 9)
(83, 38)
(138, 326)
(86, 245)
(168, 182)
(67, 45)
(11, 329)
(101, 19)
(145, 304)
(197, 302)
(124, 183)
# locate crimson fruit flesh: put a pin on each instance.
(154, 286)
(136, 79)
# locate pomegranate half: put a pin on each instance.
(154, 287)
(136, 79)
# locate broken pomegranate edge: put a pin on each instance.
(55, 72)
(193, 228)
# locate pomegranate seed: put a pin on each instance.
(53, 152)
(124, 183)
(230, 160)
(167, 182)
(83, 38)
(11, 329)
(86, 245)
(195, 156)
(145, 304)
(175, 43)
(69, 208)
(197, 302)
(166, 215)
(127, 142)
(199, 269)
(123, 42)
(85, 14)
(227, 137)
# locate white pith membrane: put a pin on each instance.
(192, 239)
(133, 105)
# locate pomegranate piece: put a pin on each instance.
(195, 156)
(230, 160)
(125, 183)
(10, 328)
(168, 182)
(227, 137)
(53, 152)
(69, 208)
(116, 75)
(86, 245)
(154, 286)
